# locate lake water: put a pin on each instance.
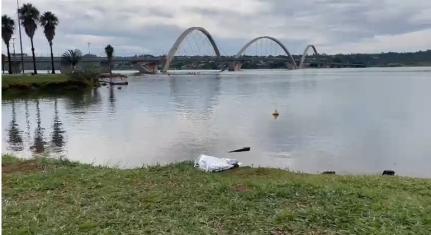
(352, 121)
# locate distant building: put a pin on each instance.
(19, 54)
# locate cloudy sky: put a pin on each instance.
(150, 26)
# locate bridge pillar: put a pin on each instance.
(235, 66)
(291, 66)
(148, 68)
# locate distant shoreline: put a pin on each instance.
(388, 59)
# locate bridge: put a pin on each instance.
(233, 63)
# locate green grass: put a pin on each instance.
(46, 196)
(28, 82)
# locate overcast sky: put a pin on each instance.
(151, 26)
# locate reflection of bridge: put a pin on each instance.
(234, 63)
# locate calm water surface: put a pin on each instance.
(353, 121)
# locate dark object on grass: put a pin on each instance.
(245, 149)
(236, 165)
(388, 172)
(328, 173)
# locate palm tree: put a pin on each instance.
(71, 58)
(3, 59)
(7, 27)
(48, 22)
(109, 53)
(29, 15)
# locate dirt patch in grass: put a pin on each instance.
(279, 232)
(26, 166)
(240, 188)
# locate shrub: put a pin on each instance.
(85, 76)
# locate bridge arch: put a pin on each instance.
(181, 38)
(301, 64)
(270, 38)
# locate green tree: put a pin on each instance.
(29, 16)
(49, 21)
(7, 27)
(71, 58)
(109, 54)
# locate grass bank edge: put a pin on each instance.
(47, 161)
(28, 82)
(238, 201)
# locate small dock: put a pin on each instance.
(114, 79)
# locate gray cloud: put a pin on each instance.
(136, 27)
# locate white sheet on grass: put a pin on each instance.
(214, 164)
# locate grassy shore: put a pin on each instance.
(29, 82)
(45, 196)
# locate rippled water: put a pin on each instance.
(353, 121)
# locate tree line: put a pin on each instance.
(29, 17)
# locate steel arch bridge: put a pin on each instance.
(181, 38)
(272, 39)
(301, 63)
(171, 54)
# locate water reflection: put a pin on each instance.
(38, 107)
(57, 141)
(15, 138)
(82, 99)
(111, 99)
(39, 142)
(329, 120)
(94, 97)
(185, 89)
(27, 120)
